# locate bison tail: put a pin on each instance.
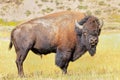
(10, 45)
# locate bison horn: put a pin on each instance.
(101, 23)
(78, 25)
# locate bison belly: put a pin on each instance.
(44, 43)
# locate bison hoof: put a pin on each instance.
(64, 71)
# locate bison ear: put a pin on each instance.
(100, 26)
(78, 25)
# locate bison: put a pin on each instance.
(68, 34)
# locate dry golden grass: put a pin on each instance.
(105, 65)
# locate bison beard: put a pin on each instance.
(92, 51)
(54, 33)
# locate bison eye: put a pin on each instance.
(84, 33)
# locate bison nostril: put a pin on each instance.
(96, 41)
(91, 40)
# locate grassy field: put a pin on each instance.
(105, 65)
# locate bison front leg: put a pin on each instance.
(62, 59)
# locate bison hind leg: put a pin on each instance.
(21, 55)
(21, 52)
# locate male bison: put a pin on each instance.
(68, 34)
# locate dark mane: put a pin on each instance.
(82, 21)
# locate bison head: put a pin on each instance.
(88, 29)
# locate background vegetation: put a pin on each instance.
(14, 11)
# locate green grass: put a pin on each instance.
(8, 23)
(105, 65)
